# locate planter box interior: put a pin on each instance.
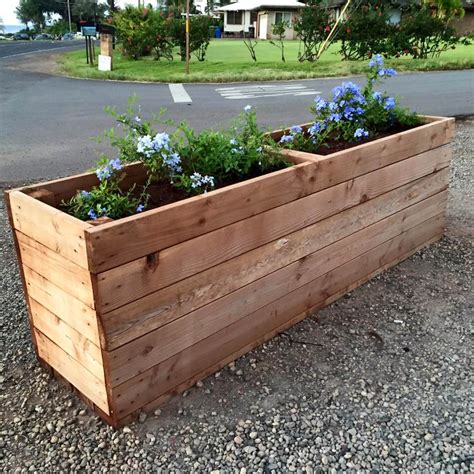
(134, 311)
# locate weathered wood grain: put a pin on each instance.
(51, 227)
(142, 316)
(72, 311)
(148, 274)
(114, 244)
(58, 270)
(73, 371)
(71, 341)
(254, 329)
(137, 356)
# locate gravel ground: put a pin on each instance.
(380, 381)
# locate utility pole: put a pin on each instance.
(187, 36)
(69, 15)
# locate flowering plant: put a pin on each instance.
(107, 199)
(193, 162)
(353, 114)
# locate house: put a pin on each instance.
(254, 18)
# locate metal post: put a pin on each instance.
(187, 36)
(69, 15)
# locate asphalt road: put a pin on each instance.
(47, 122)
(11, 49)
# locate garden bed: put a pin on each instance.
(133, 311)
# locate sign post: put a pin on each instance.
(106, 47)
(89, 32)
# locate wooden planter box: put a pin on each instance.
(134, 311)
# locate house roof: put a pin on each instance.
(261, 4)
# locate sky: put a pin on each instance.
(7, 10)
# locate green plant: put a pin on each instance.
(424, 35)
(353, 114)
(312, 27)
(279, 30)
(251, 44)
(367, 31)
(107, 199)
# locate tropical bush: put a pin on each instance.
(366, 32)
(422, 34)
(312, 27)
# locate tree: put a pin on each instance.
(446, 9)
(279, 30)
(2, 28)
(88, 10)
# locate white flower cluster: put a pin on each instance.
(199, 181)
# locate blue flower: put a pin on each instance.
(85, 194)
(247, 108)
(115, 164)
(140, 208)
(137, 119)
(333, 106)
(377, 60)
(103, 173)
(389, 103)
(173, 161)
(377, 96)
(387, 72)
(198, 180)
(296, 129)
(92, 214)
(320, 103)
(361, 133)
(335, 117)
(286, 139)
(233, 141)
(314, 129)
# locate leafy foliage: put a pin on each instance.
(366, 32)
(424, 35)
(352, 115)
(312, 27)
(279, 30)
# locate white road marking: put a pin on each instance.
(269, 90)
(178, 93)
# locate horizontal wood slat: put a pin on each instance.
(73, 371)
(135, 319)
(72, 311)
(149, 274)
(156, 346)
(113, 244)
(51, 227)
(58, 270)
(258, 326)
(71, 341)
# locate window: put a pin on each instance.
(280, 17)
(234, 18)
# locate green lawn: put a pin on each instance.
(229, 60)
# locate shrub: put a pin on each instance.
(424, 35)
(279, 30)
(366, 32)
(199, 35)
(312, 27)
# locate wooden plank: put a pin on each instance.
(139, 317)
(65, 188)
(62, 272)
(148, 274)
(51, 227)
(72, 371)
(260, 326)
(242, 351)
(71, 341)
(115, 243)
(20, 269)
(137, 356)
(72, 311)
